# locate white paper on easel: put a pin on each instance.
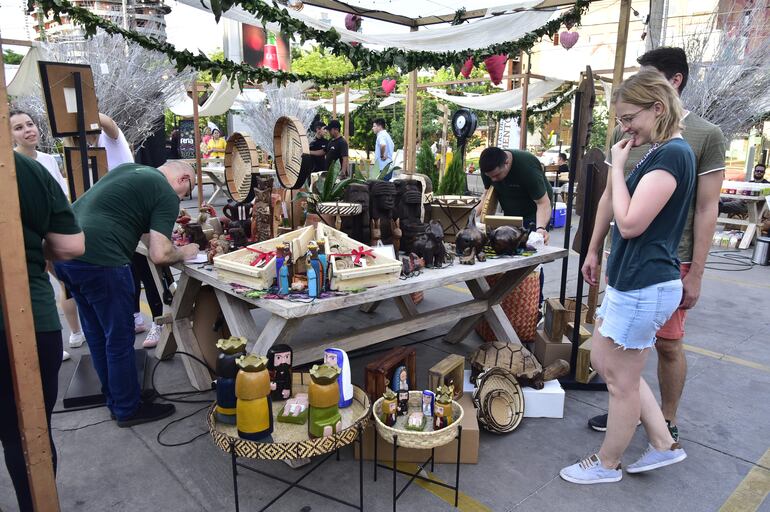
(70, 100)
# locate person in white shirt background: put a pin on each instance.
(26, 137)
(383, 147)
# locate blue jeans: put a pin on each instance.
(105, 299)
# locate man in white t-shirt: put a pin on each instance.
(383, 147)
(114, 142)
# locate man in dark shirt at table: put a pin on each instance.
(336, 148)
(318, 147)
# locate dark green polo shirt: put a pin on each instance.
(524, 184)
(129, 201)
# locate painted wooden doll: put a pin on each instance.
(339, 358)
(254, 407)
(442, 410)
(428, 402)
(227, 369)
(389, 408)
(403, 402)
(400, 380)
(323, 397)
(279, 366)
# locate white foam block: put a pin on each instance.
(544, 403)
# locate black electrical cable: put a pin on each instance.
(736, 261)
(182, 443)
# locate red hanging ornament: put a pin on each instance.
(388, 85)
(568, 39)
(353, 22)
(465, 71)
(495, 65)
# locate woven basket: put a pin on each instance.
(499, 401)
(241, 160)
(415, 439)
(520, 306)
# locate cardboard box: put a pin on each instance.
(447, 454)
(544, 403)
(547, 351)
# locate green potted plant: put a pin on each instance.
(328, 189)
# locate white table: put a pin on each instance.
(756, 206)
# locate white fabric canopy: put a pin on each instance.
(507, 100)
(218, 103)
(391, 100)
(27, 77)
(467, 36)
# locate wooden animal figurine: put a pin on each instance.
(323, 398)
(382, 203)
(254, 409)
(520, 361)
(376, 232)
(238, 237)
(442, 412)
(395, 229)
(279, 359)
(230, 349)
(195, 235)
(469, 243)
(508, 240)
(358, 227)
(430, 245)
(389, 408)
(339, 358)
(262, 217)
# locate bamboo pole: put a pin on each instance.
(20, 328)
(442, 149)
(419, 126)
(334, 103)
(525, 91)
(410, 150)
(347, 111)
(620, 60)
(197, 134)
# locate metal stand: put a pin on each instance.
(296, 483)
(396, 493)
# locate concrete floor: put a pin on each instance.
(724, 423)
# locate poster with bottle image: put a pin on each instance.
(265, 49)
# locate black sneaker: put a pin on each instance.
(674, 430)
(598, 423)
(147, 395)
(146, 413)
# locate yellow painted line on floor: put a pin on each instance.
(752, 490)
(726, 357)
(145, 308)
(464, 502)
(456, 288)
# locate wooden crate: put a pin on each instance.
(583, 372)
(555, 321)
(377, 372)
(583, 334)
(451, 369)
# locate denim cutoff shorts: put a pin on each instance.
(632, 318)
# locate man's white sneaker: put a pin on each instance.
(654, 459)
(65, 355)
(590, 471)
(139, 325)
(153, 337)
(77, 339)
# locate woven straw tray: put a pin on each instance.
(423, 440)
(291, 441)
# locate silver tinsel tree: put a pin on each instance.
(132, 83)
(729, 83)
(260, 117)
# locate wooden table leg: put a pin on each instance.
(277, 329)
(406, 306)
(182, 309)
(370, 307)
(497, 319)
(238, 316)
(754, 209)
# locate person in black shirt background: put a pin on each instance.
(337, 148)
(318, 147)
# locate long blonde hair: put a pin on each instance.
(646, 88)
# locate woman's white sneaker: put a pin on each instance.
(654, 459)
(590, 471)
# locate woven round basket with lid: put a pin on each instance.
(423, 440)
(241, 159)
(292, 152)
(499, 400)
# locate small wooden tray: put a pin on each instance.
(291, 441)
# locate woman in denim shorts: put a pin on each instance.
(644, 285)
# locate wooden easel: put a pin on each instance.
(20, 328)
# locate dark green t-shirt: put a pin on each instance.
(651, 257)
(43, 209)
(524, 184)
(129, 201)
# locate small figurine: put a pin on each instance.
(508, 240)
(324, 264)
(339, 358)
(403, 402)
(237, 237)
(295, 410)
(442, 411)
(254, 409)
(389, 408)
(428, 401)
(312, 283)
(400, 379)
(227, 370)
(469, 243)
(323, 394)
(281, 270)
(279, 365)
(416, 421)
(318, 270)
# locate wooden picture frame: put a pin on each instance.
(381, 370)
(78, 180)
(450, 370)
(58, 82)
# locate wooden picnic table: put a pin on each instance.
(287, 316)
(755, 207)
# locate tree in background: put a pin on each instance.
(11, 57)
(320, 63)
(453, 183)
(426, 162)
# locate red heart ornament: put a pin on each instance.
(568, 39)
(388, 85)
(495, 66)
(467, 68)
(353, 22)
